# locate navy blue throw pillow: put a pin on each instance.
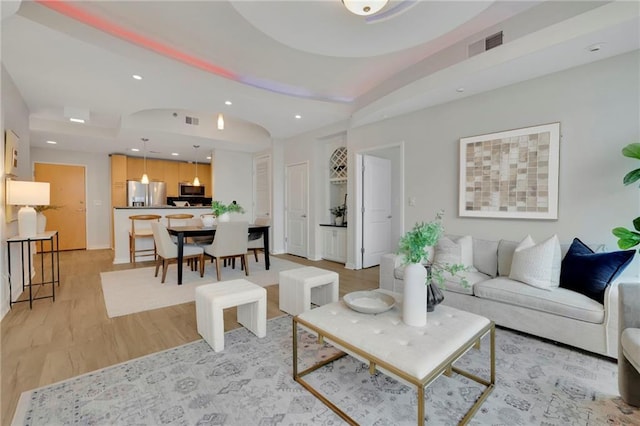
(590, 273)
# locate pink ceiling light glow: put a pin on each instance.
(130, 36)
(115, 30)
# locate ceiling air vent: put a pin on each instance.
(191, 120)
(490, 42)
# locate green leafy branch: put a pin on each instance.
(218, 208)
(413, 246)
(628, 238)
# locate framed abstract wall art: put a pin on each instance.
(511, 174)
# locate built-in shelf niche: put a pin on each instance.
(338, 166)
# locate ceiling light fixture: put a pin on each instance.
(175, 154)
(196, 181)
(145, 178)
(220, 122)
(76, 120)
(52, 142)
(135, 149)
(137, 77)
(298, 116)
(228, 103)
(364, 7)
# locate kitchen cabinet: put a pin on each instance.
(156, 169)
(334, 243)
(172, 177)
(188, 172)
(135, 168)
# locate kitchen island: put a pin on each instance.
(122, 225)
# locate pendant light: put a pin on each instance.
(220, 122)
(145, 178)
(196, 181)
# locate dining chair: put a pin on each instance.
(203, 240)
(256, 239)
(229, 242)
(179, 219)
(168, 250)
(138, 231)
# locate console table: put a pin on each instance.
(415, 355)
(54, 251)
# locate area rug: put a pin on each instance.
(136, 290)
(250, 383)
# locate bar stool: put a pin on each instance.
(144, 232)
(177, 216)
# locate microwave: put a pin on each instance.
(188, 190)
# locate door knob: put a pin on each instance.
(389, 217)
(304, 215)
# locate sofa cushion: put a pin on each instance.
(505, 256)
(455, 250)
(630, 342)
(472, 277)
(558, 301)
(590, 273)
(537, 264)
(485, 256)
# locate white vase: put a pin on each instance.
(339, 220)
(208, 221)
(41, 223)
(414, 304)
(224, 217)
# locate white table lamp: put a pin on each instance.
(27, 194)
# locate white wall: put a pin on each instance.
(234, 179)
(598, 108)
(98, 189)
(15, 117)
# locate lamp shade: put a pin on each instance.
(26, 193)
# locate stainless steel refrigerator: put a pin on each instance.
(146, 195)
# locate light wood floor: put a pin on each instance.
(73, 335)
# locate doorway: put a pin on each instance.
(379, 198)
(296, 209)
(68, 195)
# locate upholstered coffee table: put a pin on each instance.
(414, 355)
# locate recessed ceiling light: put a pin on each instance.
(52, 142)
(135, 149)
(137, 77)
(76, 120)
(209, 158)
(460, 89)
(175, 154)
(298, 116)
(228, 103)
(595, 47)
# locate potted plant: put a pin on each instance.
(338, 212)
(419, 277)
(626, 237)
(221, 211)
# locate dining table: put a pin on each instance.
(183, 232)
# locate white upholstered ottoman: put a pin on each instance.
(212, 299)
(302, 286)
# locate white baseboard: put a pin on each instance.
(99, 247)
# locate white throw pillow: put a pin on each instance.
(455, 251)
(537, 264)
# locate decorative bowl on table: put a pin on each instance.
(369, 302)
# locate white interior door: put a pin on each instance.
(376, 209)
(296, 209)
(262, 187)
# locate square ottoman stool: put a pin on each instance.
(212, 299)
(303, 286)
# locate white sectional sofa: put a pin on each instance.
(559, 314)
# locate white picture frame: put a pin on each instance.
(511, 174)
